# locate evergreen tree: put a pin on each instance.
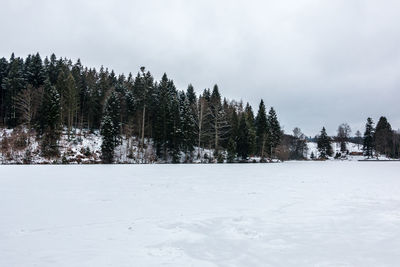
(191, 95)
(261, 129)
(188, 127)
(70, 101)
(3, 75)
(112, 109)
(324, 144)
(34, 71)
(243, 144)
(50, 121)
(251, 126)
(383, 137)
(108, 137)
(274, 134)
(368, 145)
(12, 85)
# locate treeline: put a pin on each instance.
(54, 94)
(376, 141)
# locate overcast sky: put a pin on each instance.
(319, 63)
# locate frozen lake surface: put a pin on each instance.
(289, 214)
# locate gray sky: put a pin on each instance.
(317, 62)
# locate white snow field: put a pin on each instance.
(288, 214)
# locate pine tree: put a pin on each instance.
(261, 129)
(34, 71)
(108, 144)
(12, 85)
(369, 145)
(70, 101)
(274, 134)
(383, 137)
(251, 126)
(324, 144)
(113, 109)
(188, 127)
(243, 144)
(3, 75)
(50, 122)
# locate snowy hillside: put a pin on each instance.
(260, 215)
(353, 149)
(81, 148)
(355, 152)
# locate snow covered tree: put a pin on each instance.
(108, 144)
(324, 144)
(113, 109)
(369, 145)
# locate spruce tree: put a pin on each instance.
(368, 145)
(251, 126)
(3, 75)
(13, 85)
(50, 121)
(113, 109)
(383, 137)
(274, 134)
(324, 144)
(261, 129)
(108, 144)
(243, 144)
(188, 128)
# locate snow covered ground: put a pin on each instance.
(290, 214)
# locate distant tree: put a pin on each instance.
(243, 144)
(108, 144)
(274, 135)
(358, 139)
(298, 146)
(383, 137)
(113, 109)
(324, 144)
(368, 146)
(34, 71)
(251, 126)
(218, 121)
(261, 129)
(188, 127)
(28, 103)
(343, 134)
(50, 122)
(12, 85)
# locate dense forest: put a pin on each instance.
(54, 97)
